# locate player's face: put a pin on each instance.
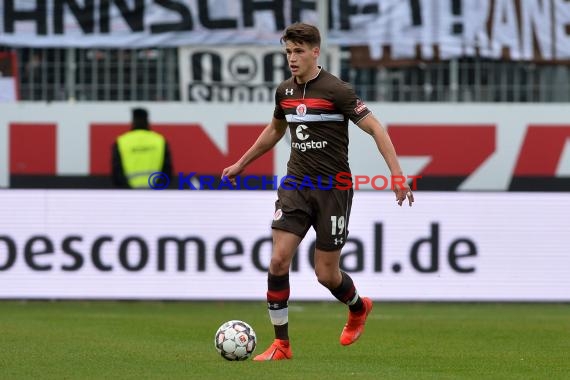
(302, 60)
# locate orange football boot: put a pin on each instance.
(355, 324)
(279, 350)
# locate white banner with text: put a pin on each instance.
(526, 29)
(212, 245)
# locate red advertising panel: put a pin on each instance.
(32, 149)
(192, 148)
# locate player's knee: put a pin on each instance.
(326, 279)
(279, 266)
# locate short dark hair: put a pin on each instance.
(301, 32)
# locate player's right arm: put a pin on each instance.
(270, 136)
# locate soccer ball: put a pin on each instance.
(235, 340)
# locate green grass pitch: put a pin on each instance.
(174, 340)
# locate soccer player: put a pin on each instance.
(317, 107)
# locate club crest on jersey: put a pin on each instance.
(288, 91)
(360, 107)
(301, 110)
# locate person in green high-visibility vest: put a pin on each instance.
(139, 153)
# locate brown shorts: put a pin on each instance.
(327, 211)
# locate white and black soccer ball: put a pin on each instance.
(235, 340)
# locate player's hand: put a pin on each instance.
(403, 192)
(231, 172)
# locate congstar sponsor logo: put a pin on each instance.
(305, 144)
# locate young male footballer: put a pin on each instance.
(316, 106)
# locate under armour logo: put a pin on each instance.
(338, 241)
(288, 91)
(273, 306)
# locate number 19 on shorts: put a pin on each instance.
(337, 225)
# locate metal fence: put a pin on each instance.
(466, 80)
(98, 74)
(152, 75)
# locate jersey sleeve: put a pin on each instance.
(278, 112)
(350, 105)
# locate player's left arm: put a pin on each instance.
(371, 125)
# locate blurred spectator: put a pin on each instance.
(139, 153)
